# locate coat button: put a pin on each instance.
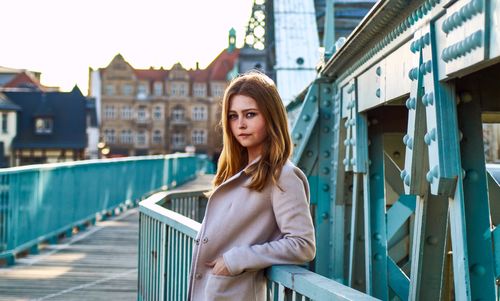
(205, 240)
(198, 276)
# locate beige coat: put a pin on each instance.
(252, 231)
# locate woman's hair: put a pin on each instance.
(277, 146)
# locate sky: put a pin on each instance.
(63, 38)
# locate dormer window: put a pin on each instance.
(43, 125)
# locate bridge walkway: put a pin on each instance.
(99, 263)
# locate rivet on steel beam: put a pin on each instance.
(405, 139)
(346, 142)
(378, 71)
(326, 129)
(326, 170)
(377, 93)
(422, 68)
(298, 136)
(313, 98)
(478, 270)
(306, 118)
(346, 161)
(433, 134)
(428, 66)
(353, 161)
(326, 154)
(309, 153)
(427, 139)
(403, 174)
(326, 187)
(377, 257)
(478, 5)
(411, 103)
(435, 171)
(327, 103)
(429, 177)
(377, 236)
(327, 90)
(352, 141)
(407, 180)
(472, 175)
(431, 240)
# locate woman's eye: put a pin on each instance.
(251, 114)
(232, 116)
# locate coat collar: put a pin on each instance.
(237, 175)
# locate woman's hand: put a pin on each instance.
(218, 267)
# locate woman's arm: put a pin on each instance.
(291, 209)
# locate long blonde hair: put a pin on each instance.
(277, 146)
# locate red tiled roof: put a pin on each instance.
(222, 64)
(151, 74)
(24, 78)
(199, 75)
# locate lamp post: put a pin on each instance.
(103, 149)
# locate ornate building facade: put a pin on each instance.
(160, 111)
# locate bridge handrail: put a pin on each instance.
(42, 202)
(166, 240)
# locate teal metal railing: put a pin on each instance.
(166, 241)
(39, 203)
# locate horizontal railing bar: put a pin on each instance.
(51, 166)
(312, 285)
(172, 219)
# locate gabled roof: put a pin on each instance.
(68, 112)
(24, 80)
(222, 64)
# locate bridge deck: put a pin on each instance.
(97, 264)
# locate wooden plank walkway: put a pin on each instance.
(99, 263)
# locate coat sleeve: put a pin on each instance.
(297, 243)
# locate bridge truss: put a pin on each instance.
(390, 135)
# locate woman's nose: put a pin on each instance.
(241, 123)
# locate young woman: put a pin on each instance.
(258, 211)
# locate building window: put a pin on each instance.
(178, 140)
(178, 114)
(110, 89)
(109, 112)
(158, 113)
(199, 113)
(199, 137)
(158, 89)
(142, 91)
(109, 135)
(43, 125)
(127, 89)
(141, 138)
(217, 90)
(183, 91)
(199, 90)
(5, 123)
(126, 137)
(174, 89)
(141, 114)
(126, 112)
(157, 138)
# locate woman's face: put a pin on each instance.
(247, 122)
